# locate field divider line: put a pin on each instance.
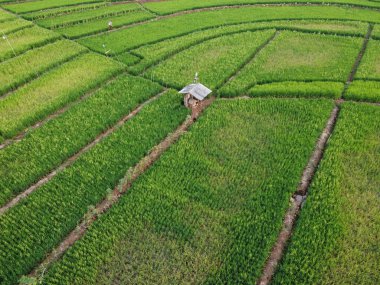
(131, 175)
(74, 157)
(43, 72)
(358, 60)
(252, 57)
(55, 114)
(216, 8)
(297, 201)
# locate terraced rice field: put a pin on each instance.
(107, 178)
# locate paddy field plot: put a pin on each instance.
(107, 178)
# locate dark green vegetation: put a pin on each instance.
(211, 208)
(364, 91)
(336, 240)
(202, 212)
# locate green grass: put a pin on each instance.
(215, 60)
(364, 91)
(172, 6)
(369, 68)
(101, 25)
(25, 7)
(38, 223)
(31, 64)
(210, 209)
(24, 40)
(53, 90)
(298, 89)
(41, 150)
(62, 11)
(133, 37)
(87, 15)
(13, 26)
(299, 57)
(337, 240)
(152, 54)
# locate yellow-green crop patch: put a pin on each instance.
(369, 68)
(23, 40)
(215, 60)
(336, 240)
(31, 64)
(313, 89)
(294, 56)
(5, 16)
(101, 25)
(376, 32)
(153, 53)
(364, 90)
(53, 90)
(13, 25)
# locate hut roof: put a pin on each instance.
(198, 90)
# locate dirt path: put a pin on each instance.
(131, 176)
(296, 201)
(73, 158)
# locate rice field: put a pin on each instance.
(106, 177)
